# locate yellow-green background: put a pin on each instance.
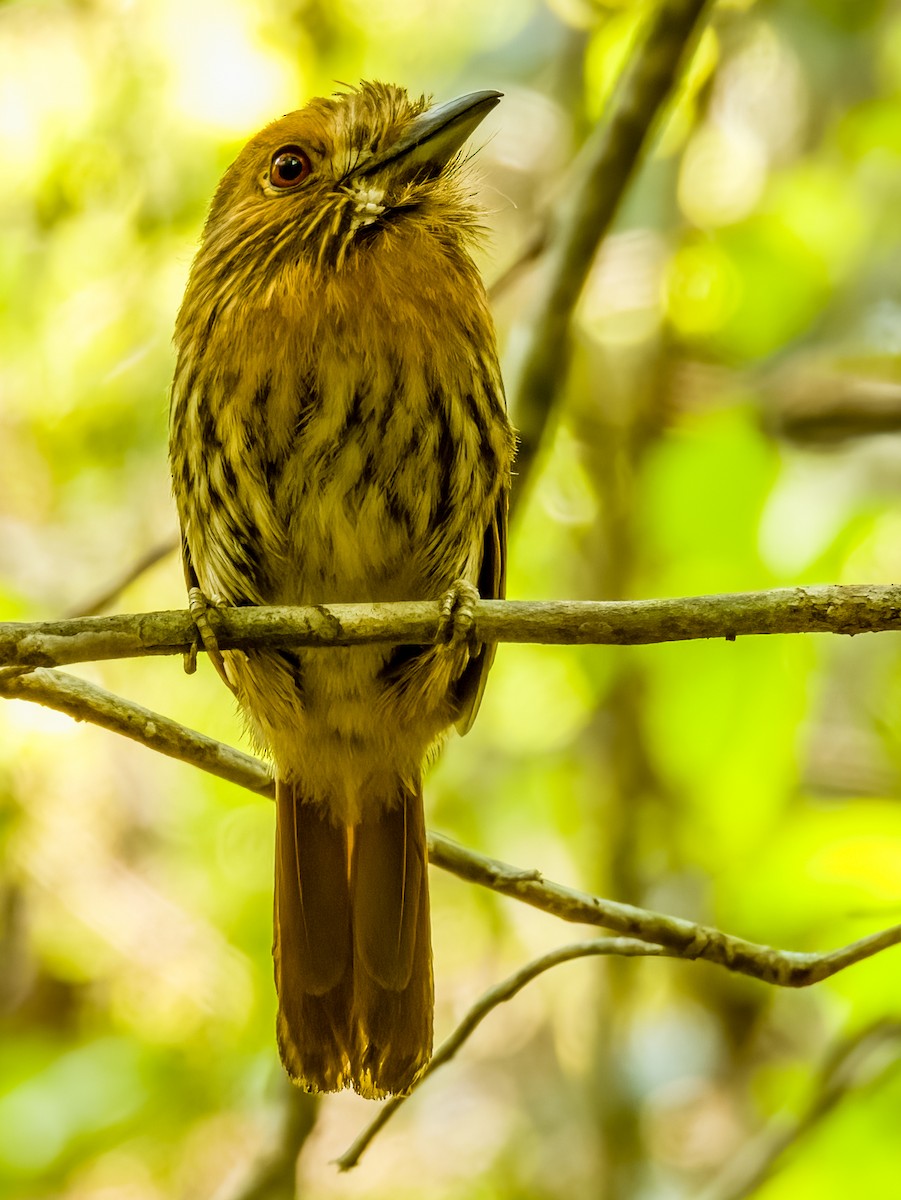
(755, 270)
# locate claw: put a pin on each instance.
(189, 658)
(457, 614)
(200, 606)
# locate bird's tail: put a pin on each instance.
(352, 948)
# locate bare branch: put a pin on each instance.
(847, 609)
(496, 996)
(86, 702)
(273, 1176)
(782, 968)
(652, 933)
(815, 400)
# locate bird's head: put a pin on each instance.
(321, 184)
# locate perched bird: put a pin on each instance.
(338, 433)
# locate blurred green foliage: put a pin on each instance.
(748, 295)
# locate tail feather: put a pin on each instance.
(312, 947)
(393, 990)
(353, 959)
(314, 851)
(386, 883)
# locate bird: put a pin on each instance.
(338, 433)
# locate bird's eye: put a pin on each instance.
(289, 167)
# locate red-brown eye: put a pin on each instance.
(290, 166)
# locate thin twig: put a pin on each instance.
(101, 600)
(532, 249)
(842, 609)
(496, 996)
(782, 968)
(608, 161)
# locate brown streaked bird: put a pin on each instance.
(338, 433)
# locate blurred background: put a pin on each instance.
(731, 421)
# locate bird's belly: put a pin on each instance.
(331, 718)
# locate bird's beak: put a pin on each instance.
(435, 136)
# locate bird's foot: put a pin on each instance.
(457, 615)
(200, 607)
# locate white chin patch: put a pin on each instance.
(369, 205)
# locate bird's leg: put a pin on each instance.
(200, 606)
(457, 614)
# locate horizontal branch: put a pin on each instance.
(842, 609)
(783, 968)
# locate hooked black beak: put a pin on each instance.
(434, 137)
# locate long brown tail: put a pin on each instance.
(352, 949)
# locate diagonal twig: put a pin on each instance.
(103, 599)
(497, 995)
(84, 701)
(783, 968)
(686, 939)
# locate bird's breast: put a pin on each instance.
(387, 490)
(356, 440)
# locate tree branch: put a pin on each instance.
(842, 609)
(496, 996)
(604, 168)
(85, 701)
(784, 968)
(685, 939)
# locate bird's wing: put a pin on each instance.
(492, 586)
